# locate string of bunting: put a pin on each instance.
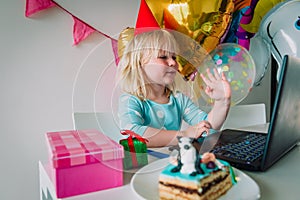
(81, 30)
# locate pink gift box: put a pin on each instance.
(83, 161)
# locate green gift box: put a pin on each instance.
(135, 150)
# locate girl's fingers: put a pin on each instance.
(210, 75)
(202, 127)
(217, 75)
(202, 131)
(223, 76)
(206, 81)
(204, 124)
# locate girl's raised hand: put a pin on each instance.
(217, 87)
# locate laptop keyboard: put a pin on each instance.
(248, 149)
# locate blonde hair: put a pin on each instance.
(138, 52)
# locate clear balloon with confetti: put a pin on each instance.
(238, 66)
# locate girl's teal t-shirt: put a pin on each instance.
(137, 115)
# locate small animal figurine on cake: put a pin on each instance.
(188, 161)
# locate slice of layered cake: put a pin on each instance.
(194, 176)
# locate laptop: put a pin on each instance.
(256, 151)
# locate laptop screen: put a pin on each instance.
(285, 121)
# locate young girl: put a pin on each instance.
(151, 106)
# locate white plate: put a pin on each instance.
(145, 183)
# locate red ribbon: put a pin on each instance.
(132, 135)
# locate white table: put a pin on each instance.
(279, 182)
(282, 180)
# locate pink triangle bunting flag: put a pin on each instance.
(80, 30)
(114, 44)
(34, 6)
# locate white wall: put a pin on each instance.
(261, 93)
(39, 66)
(40, 69)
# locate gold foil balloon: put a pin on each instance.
(204, 21)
